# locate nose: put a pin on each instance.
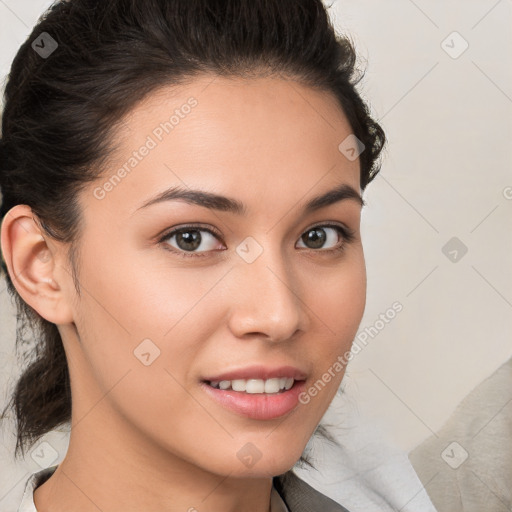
(266, 299)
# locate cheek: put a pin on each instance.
(146, 297)
(338, 298)
(338, 301)
(133, 313)
(140, 338)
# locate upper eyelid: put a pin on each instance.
(190, 227)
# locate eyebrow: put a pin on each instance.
(221, 203)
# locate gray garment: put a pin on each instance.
(299, 496)
(468, 467)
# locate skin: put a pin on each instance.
(148, 436)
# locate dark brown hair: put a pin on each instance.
(62, 108)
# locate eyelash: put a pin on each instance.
(347, 235)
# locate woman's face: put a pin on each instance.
(253, 292)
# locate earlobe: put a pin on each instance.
(31, 265)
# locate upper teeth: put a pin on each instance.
(255, 385)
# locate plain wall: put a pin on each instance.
(447, 174)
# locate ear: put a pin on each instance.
(32, 264)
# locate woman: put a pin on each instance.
(182, 187)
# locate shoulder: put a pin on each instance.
(469, 460)
(301, 497)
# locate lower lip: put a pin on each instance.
(258, 406)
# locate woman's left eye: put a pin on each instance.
(317, 237)
(189, 238)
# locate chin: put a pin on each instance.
(271, 462)
(251, 462)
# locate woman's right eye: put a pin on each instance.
(189, 238)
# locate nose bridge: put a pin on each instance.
(266, 296)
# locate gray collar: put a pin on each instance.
(299, 496)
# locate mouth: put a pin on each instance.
(257, 399)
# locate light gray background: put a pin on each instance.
(446, 173)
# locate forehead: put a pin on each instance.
(248, 138)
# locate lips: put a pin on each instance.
(255, 404)
(260, 406)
